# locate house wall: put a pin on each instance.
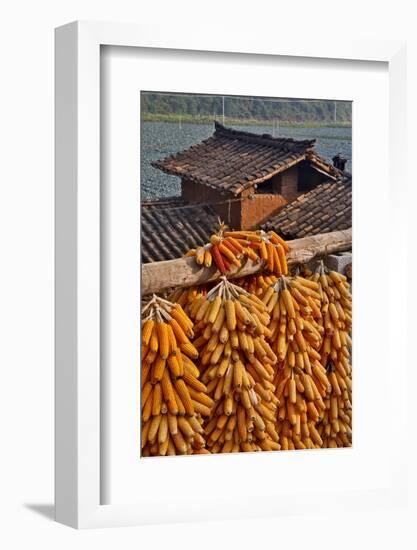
(289, 183)
(259, 208)
(254, 208)
(230, 213)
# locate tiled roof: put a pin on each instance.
(231, 160)
(328, 207)
(171, 226)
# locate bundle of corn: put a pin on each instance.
(266, 246)
(174, 400)
(236, 364)
(335, 426)
(257, 283)
(226, 252)
(185, 297)
(228, 248)
(300, 379)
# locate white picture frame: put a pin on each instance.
(78, 260)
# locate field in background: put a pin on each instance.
(238, 121)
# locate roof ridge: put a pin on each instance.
(266, 139)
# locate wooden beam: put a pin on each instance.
(160, 276)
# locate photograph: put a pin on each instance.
(246, 272)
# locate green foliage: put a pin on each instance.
(194, 107)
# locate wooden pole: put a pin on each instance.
(160, 276)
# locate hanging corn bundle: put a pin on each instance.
(257, 283)
(229, 248)
(185, 297)
(300, 380)
(335, 427)
(226, 253)
(174, 400)
(236, 364)
(265, 246)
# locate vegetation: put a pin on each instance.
(238, 110)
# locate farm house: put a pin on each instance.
(248, 181)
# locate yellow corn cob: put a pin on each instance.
(207, 258)
(230, 314)
(174, 366)
(163, 339)
(153, 343)
(172, 340)
(214, 309)
(179, 333)
(189, 350)
(178, 314)
(157, 400)
(289, 306)
(200, 255)
(154, 427)
(147, 331)
(158, 369)
(184, 395)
